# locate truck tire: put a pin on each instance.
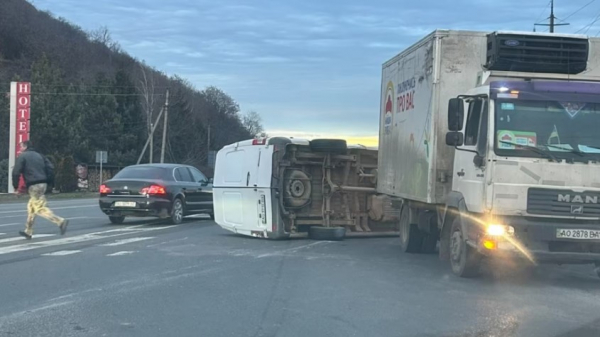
(329, 145)
(327, 233)
(411, 237)
(464, 260)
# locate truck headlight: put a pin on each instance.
(499, 230)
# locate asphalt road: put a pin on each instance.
(145, 278)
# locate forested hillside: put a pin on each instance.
(88, 94)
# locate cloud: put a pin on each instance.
(351, 139)
(383, 45)
(309, 66)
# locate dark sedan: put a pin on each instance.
(156, 190)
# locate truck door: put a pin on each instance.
(470, 159)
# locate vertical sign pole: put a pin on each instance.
(101, 161)
(20, 109)
(12, 146)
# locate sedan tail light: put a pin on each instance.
(104, 189)
(153, 190)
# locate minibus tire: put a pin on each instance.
(329, 145)
(327, 233)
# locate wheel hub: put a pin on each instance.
(456, 246)
(297, 188)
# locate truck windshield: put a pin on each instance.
(563, 129)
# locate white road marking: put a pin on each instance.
(11, 224)
(62, 253)
(125, 241)
(19, 238)
(74, 239)
(125, 252)
(77, 217)
(53, 208)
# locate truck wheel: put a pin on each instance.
(411, 238)
(329, 145)
(327, 233)
(465, 260)
(117, 220)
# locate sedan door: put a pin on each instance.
(188, 187)
(205, 195)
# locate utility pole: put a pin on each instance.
(165, 123)
(152, 141)
(150, 138)
(552, 18)
(208, 142)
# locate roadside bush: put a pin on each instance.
(65, 175)
(4, 176)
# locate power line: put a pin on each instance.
(587, 27)
(85, 94)
(577, 11)
(542, 13)
(552, 24)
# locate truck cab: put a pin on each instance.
(526, 163)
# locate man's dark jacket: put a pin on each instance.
(35, 168)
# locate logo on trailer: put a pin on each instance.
(388, 108)
(512, 43)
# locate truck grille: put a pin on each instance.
(536, 53)
(563, 202)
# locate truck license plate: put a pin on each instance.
(125, 204)
(578, 234)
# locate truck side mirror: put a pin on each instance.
(456, 114)
(454, 138)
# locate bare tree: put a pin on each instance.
(102, 35)
(253, 123)
(146, 88)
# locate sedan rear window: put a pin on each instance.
(144, 172)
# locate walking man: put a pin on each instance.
(37, 172)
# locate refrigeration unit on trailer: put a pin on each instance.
(281, 187)
(489, 143)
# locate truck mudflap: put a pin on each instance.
(542, 241)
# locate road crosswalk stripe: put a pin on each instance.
(30, 245)
(126, 241)
(124, 252)
(53, 208)
(62, 253)
(20, 238)
(10, 224)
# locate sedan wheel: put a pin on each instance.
(116, 219)
(177, 212)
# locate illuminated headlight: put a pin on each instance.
(503, 89)
(499, 230)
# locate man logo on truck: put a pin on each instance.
(388, 108)
(581, 199)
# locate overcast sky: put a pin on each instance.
(309, 67)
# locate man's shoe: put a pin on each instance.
(25, 235)
(63, 227)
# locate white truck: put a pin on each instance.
(491, 142)
(489, 147)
